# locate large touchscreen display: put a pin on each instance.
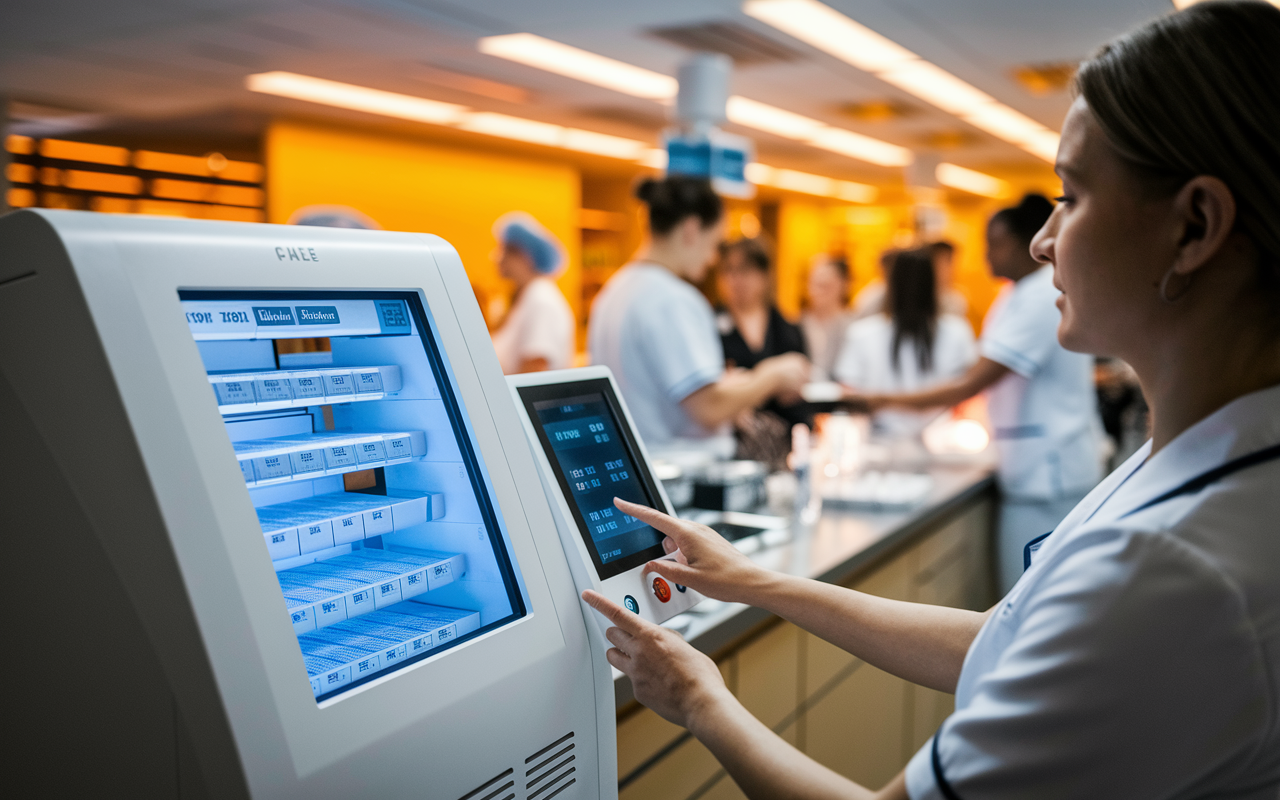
(595, 463)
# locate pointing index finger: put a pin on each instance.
(675, 528)
(619, 616)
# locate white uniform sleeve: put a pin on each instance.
(1133, 672)
(1025, 334)
(680, 344)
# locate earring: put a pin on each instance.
(1164, 287)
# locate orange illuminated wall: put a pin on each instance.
(407, 184)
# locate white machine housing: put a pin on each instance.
(149, 649)
(631, 588)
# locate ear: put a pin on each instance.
(1205, 212)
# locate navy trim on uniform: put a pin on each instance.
(1212, 476)
(944, 785)
(1192, 486)
(1030, 549)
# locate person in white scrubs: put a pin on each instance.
(658, 334)
(1040, 396)
(1139, 654)
(826, 316)
(910, 348)
(538, 332)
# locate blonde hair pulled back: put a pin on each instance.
(1197, 92)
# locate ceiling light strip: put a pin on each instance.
(402, 106)
(807, 183)
(571, 62)
(831, 31)
(971, 181)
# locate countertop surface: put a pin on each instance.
(835, 547)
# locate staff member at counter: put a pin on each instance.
(1139, 654)
(537, 333)
(1040, 396)
(658, 333)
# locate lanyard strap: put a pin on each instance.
(1190, 487)
(1212, 476)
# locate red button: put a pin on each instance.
(661, 590)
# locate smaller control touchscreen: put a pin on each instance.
(594, 463)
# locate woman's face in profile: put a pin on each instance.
(1110, 240)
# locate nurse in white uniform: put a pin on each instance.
(658, 334)
(1040, 396)
(538, 332)
(1139, 654)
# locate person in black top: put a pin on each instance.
(751, 330)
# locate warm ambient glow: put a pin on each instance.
(807, 183)
(403, 106)
(563, 59)
(831, 31)
(971, 181)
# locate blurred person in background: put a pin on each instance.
(871, 300)
(537, 333)
(658, 333)
(752, 330)
(1040, 396)
(826, 316)
(943, 255)
(911, 347)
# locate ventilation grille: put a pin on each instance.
(550, 771)
(501, 787)
(740, 43)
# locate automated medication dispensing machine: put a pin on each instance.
(272, 526)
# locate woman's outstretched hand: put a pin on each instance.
(705, 561)
(667, 674)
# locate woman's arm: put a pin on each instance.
(717, 403)
(685, 687)
(980, 376)
(920, 643)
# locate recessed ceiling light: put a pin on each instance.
(971, 181)
(356, 98)
(833, 32)
(563, 59)
(403, 106)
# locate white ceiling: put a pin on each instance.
(124, 60)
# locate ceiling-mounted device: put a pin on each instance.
(698, 147)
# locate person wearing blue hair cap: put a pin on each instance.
(538, 332)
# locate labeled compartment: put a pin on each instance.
(358, 648)
(299, 527)
(328, 592)
(305, 456)
(244, 392)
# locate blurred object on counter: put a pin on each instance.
(874, 490)
(951, 439)
(731, 486)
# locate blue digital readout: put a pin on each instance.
(597, 467)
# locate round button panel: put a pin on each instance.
(631, 604)
(661, 590)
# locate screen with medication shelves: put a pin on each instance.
(371, 498)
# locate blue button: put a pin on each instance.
(631, 604)
(681, 589)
